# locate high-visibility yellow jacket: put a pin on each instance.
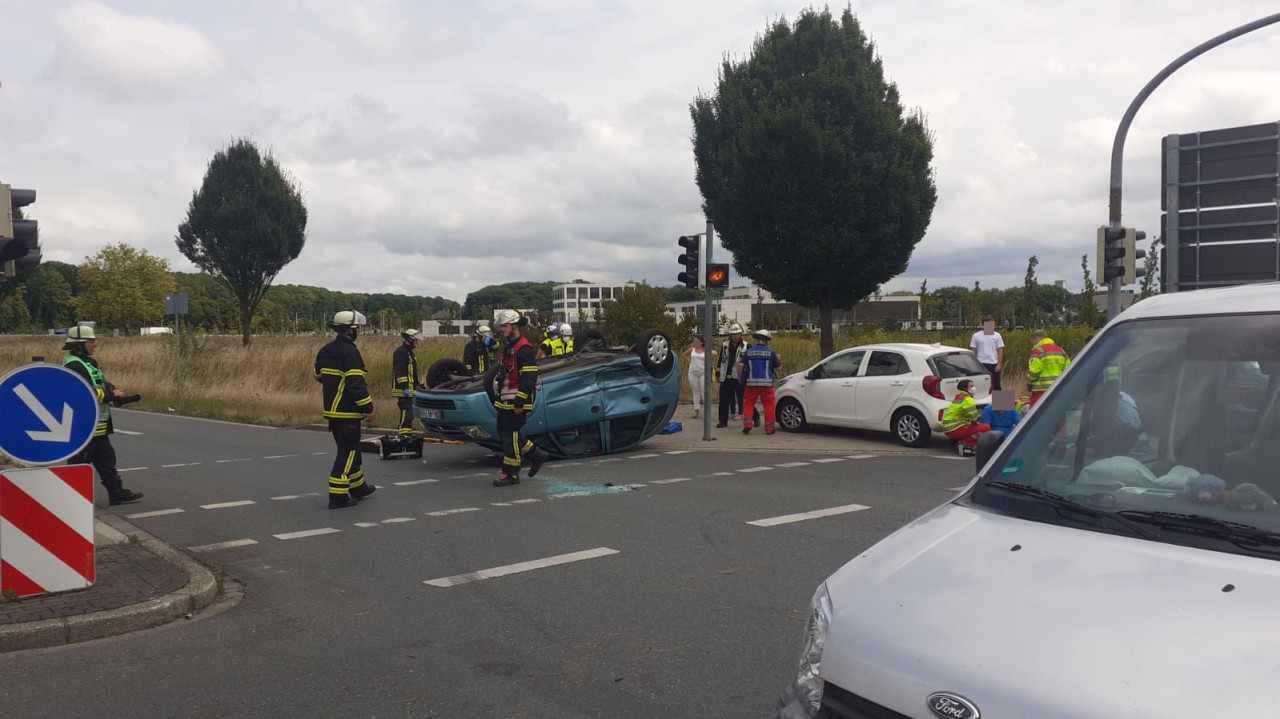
(1048, 362)
(962, 411)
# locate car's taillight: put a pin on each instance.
(933, 386)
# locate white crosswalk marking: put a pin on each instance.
(493, 572)
(307, 533)
(224, 545)
(801, 516)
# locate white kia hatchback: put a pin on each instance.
(901, 388)
(1118, 555)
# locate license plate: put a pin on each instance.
(431, 414)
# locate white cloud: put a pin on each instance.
(443, 146)
(131, 57)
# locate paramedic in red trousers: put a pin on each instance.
(340, 372)
(759, 367)
(81, 342)
(960, 420)
(517, 383)
(404, 367)
(1047, 363)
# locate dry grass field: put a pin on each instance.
(272, 383)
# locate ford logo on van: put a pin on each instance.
(952, 706)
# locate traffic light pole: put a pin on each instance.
(1117, 147)
(708, 336)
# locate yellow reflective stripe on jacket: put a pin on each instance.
(332, 412)
(961, 412)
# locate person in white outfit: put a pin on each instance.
(696, 360)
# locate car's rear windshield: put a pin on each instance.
(956, 364)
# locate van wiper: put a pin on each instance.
(1062, 503)
(1241, 535)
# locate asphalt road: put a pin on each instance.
(679, 590)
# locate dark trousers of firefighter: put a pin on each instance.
(730, 398)
(514, 446)
(102, 456)
(406, 414)
(346, 477)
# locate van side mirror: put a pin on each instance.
(988, 443)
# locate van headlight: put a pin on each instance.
(809, 671)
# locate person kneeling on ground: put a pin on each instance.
(960, 420)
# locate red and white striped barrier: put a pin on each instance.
(46, 530)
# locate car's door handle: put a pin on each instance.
(846, 384)
(897, 384)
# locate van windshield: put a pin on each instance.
(1174, 423)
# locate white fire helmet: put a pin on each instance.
(507, 317)
(80, 333)
(566, 330)
(348, 318)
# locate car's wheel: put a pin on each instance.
(655, 353)
(910, 427)
(443, 370)
(591, 340)
(791, 415)
(491, 384)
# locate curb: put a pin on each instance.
(200, 591)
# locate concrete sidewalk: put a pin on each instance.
(140, 583)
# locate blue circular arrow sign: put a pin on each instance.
(49, 414)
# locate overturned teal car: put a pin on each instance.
(595, 401)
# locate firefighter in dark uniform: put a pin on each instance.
(479, 355)
(404, 365)
(340, 372)
(81, 342)
(516, 383)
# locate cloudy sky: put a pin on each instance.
(447, 145)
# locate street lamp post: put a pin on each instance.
(1117, 147)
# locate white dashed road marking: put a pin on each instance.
(131, 469)
(280, 456)
(223, 545)
(306, 533)
(788, 518)
(525, 501)
(860, 456)
(238, 459)
(669, 481)
(366, 525)
(295, 496)
(183, 464)
(643, 456)
(225, 505)
(156, 513)
(789, 465)
(315, 453)
(679, 451)
(749, 470)
(397, 520)
(828, 460)
(459, 510)
(413, 482)
(483, 574)
(949, 456)
(125, 431)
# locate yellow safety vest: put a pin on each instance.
(1048, 362)
(962, 411)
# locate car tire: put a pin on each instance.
(443, 370)
(490, 383)
(590, 340)
(791, 415)
(654, 349)
(910, 427)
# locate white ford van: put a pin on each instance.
(1117, 556)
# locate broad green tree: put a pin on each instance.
(245, 223)
(123, 287)
(638, 309)
(14, 316)
(48, 297)
(817, 179)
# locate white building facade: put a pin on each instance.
(580, 301)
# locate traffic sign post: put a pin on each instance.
(49, 414)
